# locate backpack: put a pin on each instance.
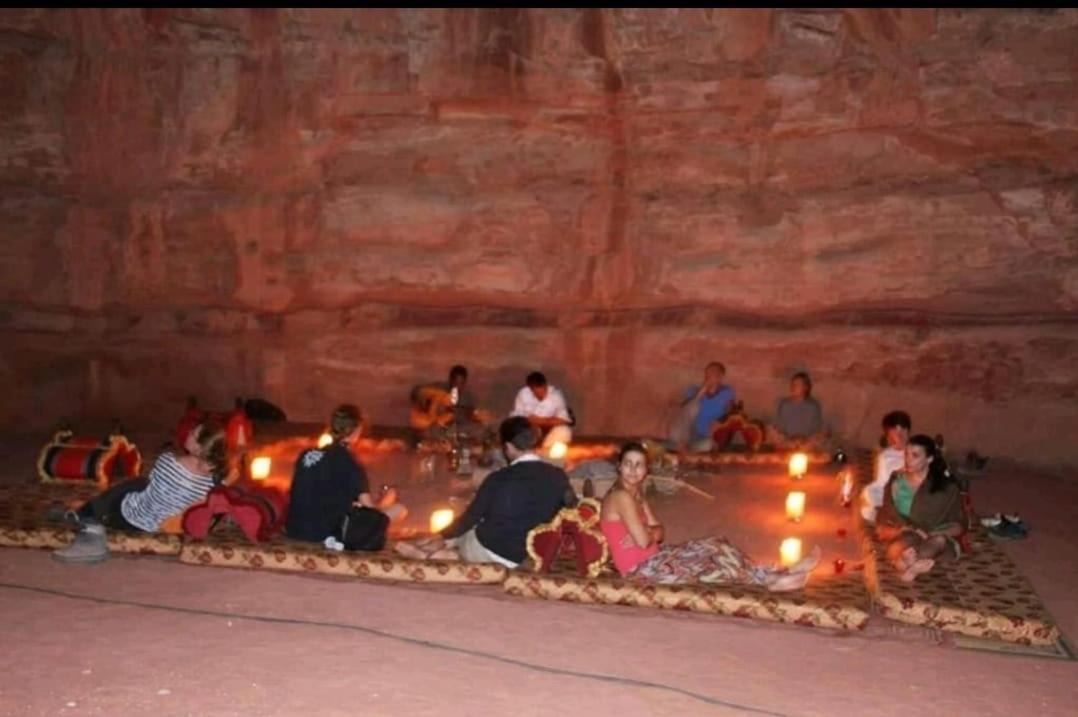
(364, 529)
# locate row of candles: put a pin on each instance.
(790, 550)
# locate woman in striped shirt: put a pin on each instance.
(176, 482)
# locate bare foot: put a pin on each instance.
(444, 554)
(808, 563)
(786, 583)
(917, 568)
(409, 550)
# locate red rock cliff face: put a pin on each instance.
(335, 204)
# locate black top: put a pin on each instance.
(325, 483)
(509, 503)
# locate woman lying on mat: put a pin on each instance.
(176, 482)
(634, 535)
(922, 516)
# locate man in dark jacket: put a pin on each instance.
(511, 501)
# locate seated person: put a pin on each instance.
(327, 482)
(896, 433)
(635, 538)
(440, 404)
(798, 418)
(702, 408)
(176, 482)
(509, 503)
(921, 518)
(545, 408)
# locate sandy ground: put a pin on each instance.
(342, 647)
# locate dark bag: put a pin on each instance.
(364, 529)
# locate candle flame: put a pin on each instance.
(260, 467)
(795, 505)
(790, 551)
(798, 464)
(441, 519)
(558, 450)
(324, 440)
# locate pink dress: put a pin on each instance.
(625, 557)
(704, 560)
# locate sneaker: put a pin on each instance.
(992, 521)
(89, 546)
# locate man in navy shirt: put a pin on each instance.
(702, 408)
(511, 501)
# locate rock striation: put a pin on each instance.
(317, 205)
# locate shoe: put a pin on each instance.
(90, 546)
(1007, 530)
(992, 521)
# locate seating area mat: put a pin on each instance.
(981, 595)
(231, 549)
(837, 602)
(23, 524)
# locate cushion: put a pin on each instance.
(68, 458)
(572, 534)
(837, 602)
(290, 555)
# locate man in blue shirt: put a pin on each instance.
(702, 407)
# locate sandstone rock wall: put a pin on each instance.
(321, 204)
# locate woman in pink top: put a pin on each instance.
(635, 535)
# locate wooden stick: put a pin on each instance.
(682, 484)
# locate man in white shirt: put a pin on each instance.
(896, 430)
(544, 407)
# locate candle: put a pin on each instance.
(441, 519)
(795, 505)
(260, 467)
(790, 551)
(558, 450)
(798, 465)
(324, 440)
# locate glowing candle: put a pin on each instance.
(441, 519)
(558, 450)
(260, 468)
(324, 440)
(790, 551)
(798, 465)
(795, 505)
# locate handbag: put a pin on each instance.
(364, 529)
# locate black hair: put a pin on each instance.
(897, 418)
(632, 447)
(939, 476)
(717, 364)
(535, 379)
(458, 370)
(518, 431)
(803, 375)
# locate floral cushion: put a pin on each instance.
(838, 602)
(284, 554)
(981, 595)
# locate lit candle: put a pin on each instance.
(260, 467)
(441, 519)
(790, 551)
(324, 440)
(795, 505)
(558, 450)
(798, 465)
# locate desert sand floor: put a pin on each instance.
(137, 636)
